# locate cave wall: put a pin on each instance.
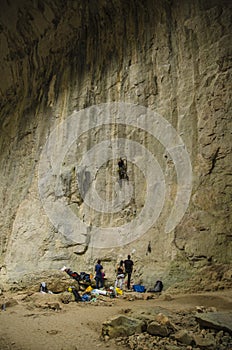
(172, 57)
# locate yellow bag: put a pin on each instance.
(88, 289)
(118, 291)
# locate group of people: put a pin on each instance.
(123, 269)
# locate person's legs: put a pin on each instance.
(97, 282)
(101, 282)
(128, 280)
(120, 283)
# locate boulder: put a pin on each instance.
(44, 301)
(122, 326)
(56, 281)
(155, 328)
(183, 337)
(216, 320)
(66, 297)
(7, 302)
(205, 342)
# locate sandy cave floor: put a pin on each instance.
(78, 325)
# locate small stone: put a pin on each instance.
(53, 331)
(200, 309)
(106, 338)
(219, 334)
(162, 319)
(203, 332)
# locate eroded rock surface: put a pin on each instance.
(172, 57)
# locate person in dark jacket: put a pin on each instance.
(128, 265)
(99, 275)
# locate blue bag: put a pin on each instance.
(139, 288)
(86, 297)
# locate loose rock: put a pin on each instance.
(122, 326)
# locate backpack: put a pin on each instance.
(85, 277)
(158, 287)
(72, 274)
(76, 295)
(43, 287)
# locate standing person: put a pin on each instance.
(128, 269)
(99, 277)
(120, 275)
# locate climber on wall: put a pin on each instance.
(122, 169)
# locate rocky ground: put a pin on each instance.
(32, 320)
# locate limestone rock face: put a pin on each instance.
(167, 59)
